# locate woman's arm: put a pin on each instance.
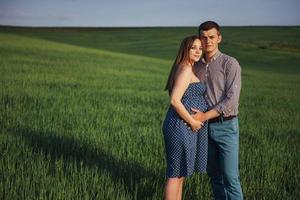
(181, 84)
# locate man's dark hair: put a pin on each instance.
(207, 26)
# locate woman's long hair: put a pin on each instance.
(182, 56)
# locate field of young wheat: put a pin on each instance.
(81, 112)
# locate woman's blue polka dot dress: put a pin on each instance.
(186, 151)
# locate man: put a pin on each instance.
(223, 79)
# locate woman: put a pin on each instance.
(185, 142)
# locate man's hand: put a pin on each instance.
(199, 116)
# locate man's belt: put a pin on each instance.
(221, 119)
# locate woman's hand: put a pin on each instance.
(196, 125)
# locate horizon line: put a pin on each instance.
(103, 27)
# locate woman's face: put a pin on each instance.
(195, 52)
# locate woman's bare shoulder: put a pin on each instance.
(185, 69)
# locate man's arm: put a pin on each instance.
(232, 89)
(201, 116)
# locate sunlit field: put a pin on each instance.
(81, 112)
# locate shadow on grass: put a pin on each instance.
(139, 182)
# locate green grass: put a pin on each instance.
(81, 112)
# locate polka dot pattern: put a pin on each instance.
(186, 151)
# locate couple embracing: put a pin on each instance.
(201, 130)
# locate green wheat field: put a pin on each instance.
(81, 111)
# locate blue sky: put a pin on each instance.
(148, 12)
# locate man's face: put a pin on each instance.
(210, 40)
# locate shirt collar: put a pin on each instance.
(217, 54)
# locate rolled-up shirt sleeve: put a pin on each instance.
(230, 102)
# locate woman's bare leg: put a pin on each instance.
(172, 188)
(180, 188)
